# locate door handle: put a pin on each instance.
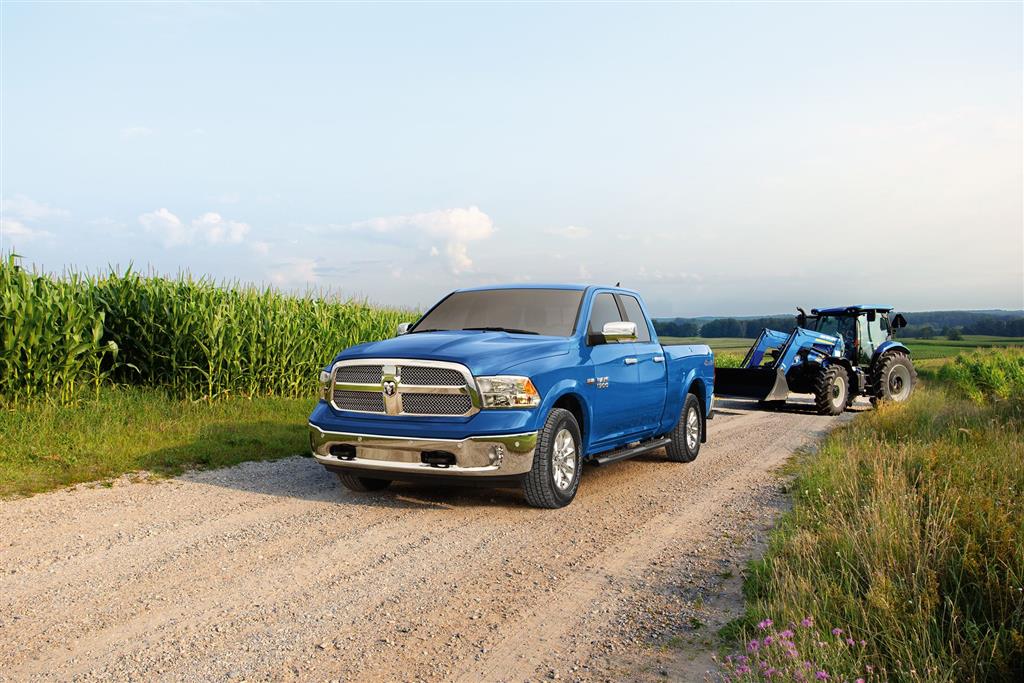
(631, 361)
(659, 359)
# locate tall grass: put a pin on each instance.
(190, 336)
(907, 532)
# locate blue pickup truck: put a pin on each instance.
(513, 385)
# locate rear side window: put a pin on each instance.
(635, 314)
(603, 311)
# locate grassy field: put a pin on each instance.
(903, 557)
(44, 445)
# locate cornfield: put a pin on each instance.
(62, 336)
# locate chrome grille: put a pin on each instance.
(423, 388)
(426, 375)
(365, 401)
(359, 374)
(436, 404)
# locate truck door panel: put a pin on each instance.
(612, 385)
(649, 397)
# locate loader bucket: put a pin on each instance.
(763, 384)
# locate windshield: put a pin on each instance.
(525, 311)
(842, 326)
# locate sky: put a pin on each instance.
(722, 159)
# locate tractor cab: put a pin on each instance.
(863, 329)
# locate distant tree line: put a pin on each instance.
(923, 325)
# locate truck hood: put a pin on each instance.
(484, 353)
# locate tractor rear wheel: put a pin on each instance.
(894, 378)
(831, 390)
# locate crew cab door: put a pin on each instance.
(612, 385)
(652, 383)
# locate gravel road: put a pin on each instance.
(271, 570)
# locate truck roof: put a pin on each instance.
(531, 285)
(854, 308)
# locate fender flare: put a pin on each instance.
(695, 381)
(888, 346)
(560, 389)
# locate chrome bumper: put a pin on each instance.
(475, 456)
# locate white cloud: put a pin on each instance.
(260, 247)
(16, 230)
(23, 208)
(294, 272)
(168, 227)
(573, 232)
(216, 230)
(133, 132)
(211, 228)
(457, 227)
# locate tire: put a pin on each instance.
(894, 378)
(831, 390)
(688, 432)
(553, 480)
(362, 484)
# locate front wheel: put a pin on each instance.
(553, 480)
(688, 432)
(831, 390)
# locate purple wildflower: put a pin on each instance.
(765, 624)
(767, 640)
(837, 631)
(753, 645)
(788, 633)
(859, 680)
(807, 622)
(821, 676)
(851, 642)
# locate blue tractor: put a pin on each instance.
(836, 354)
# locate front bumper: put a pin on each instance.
(476, 456)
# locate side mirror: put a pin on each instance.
(619, 332)
(899, 321)
(801, 318)
(402, 329)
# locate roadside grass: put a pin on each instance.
(44, 445)
(907, 537)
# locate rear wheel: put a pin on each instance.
(831, 390)
(362, 484)
(686, 436)
(553, 480)
(894, 379)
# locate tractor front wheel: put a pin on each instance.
(894, 378)
(831, 390)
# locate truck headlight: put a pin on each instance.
(507, 391)
(325, 385)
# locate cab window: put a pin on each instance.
(635, 314)
(604, 310)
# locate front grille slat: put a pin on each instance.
(359, 374)
(373, 401)
(365, 401)
(436, 404)
(426, 375)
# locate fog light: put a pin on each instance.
(496, 453)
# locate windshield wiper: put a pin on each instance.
(416, 331)
(510, 330)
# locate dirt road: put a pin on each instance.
(273, 571)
